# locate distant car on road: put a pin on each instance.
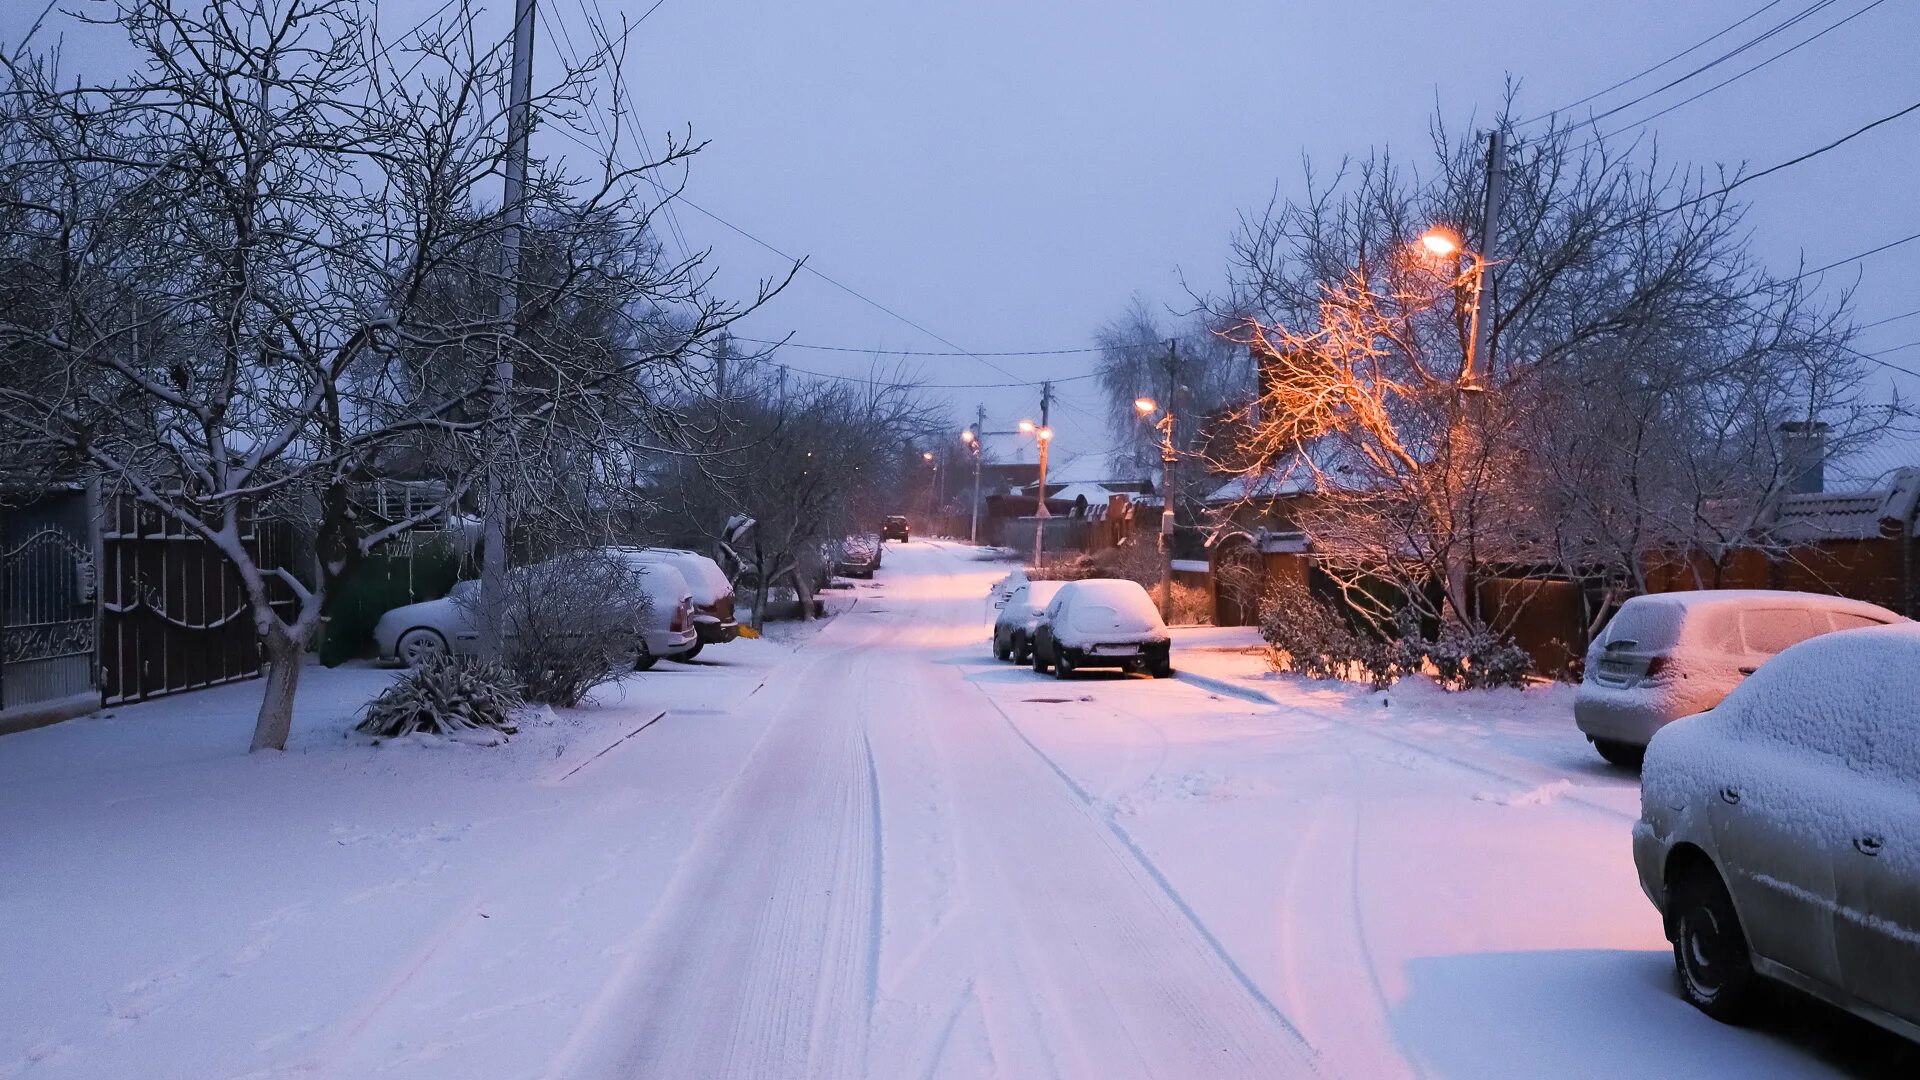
(1019, 617)
(1102, 622)
(1669, 655)
(1780, 833)
(713, 602)
(416, 633)
(894, 528)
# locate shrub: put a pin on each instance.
(570, 622)
(447, 696)
(1312, 637)
(1192, 605)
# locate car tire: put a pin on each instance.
(1022, 649)
(1624, 755)
(420, 646)
(1039, 660)
(686, 657)
(1710, 947)
(1062, 667)
(645, 660)
(1160, 669)
(1000, 651)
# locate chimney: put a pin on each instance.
(1803, 456)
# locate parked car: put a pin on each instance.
(1019, 616)
(416, 633)
(859, 555)
(1002, 590)
(713, 601)
(894, 528)
(1779, 835)
(1101, 622)
(1669, 655)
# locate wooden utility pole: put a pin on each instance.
(1044, 436)
(979, 429)
(1167, 461)
(493, 568)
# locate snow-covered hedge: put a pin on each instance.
(448, 696)
(1312, 637)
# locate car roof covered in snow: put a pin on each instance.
(1699, 599)
(703, 576)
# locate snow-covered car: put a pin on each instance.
(1102, 622)
(713, 602)
(1019, 616)
(859, 555)
(1002, 590)
(1780, 833)
(415, 633)
(1669, 655)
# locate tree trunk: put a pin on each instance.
(804, 594)
(271, 727)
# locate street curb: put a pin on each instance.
(1222, 686)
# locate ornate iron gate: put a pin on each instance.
(46, 617)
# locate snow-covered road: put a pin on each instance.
(878, 854)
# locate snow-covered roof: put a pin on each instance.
(1855, 515)
(1095, 494)
(1295, 479)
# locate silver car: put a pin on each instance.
(1669, 655)
(1780, 833)
(1019, 616)
(416, 633)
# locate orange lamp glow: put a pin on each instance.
(1026, 426)
(1145, 405)
(1440, 243)
(1046, 434)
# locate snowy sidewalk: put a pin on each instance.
(174, 907)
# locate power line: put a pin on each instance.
(1637, 76)
(1888, 319)
(1751, 177)
(1856, 258)
(930, 386)
(920, 352)
(1643, 121)
(1799, 16)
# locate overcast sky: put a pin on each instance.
(1007, 174)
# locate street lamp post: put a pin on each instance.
(1443, 244)
(1168, 458)
(1044, 436)
(973, 445)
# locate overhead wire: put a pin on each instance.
(1743, 74)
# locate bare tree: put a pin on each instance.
(255, 271)
(1638, 367)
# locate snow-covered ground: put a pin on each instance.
(868, 851)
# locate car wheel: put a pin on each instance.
(1710, 948)
(683, 657)
(1161, 668)
(1022, 649)
(1039, 659)
(420, 647)
(1062, 667)
(1625, 755)
(646, 658)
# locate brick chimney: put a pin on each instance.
(1803, 456)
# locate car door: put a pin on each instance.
(1761, 793)
(1877, 921)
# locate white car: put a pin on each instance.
(1102, 622)
(1780, 833)
(713, 601)
(1669, 655)
(416, 633)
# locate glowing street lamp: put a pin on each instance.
(1026, 427)
(1443, 243)
(1145, 405)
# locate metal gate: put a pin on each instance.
(46, 617)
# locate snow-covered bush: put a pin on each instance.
(1315, 638)
(570, 622)
(446, 696)
(1192, 605)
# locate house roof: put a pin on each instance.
(1848, 515)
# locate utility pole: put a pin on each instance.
(1043, 436)
(493, 568)
(1479, 334)
(1167, 458)
(979, 429)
